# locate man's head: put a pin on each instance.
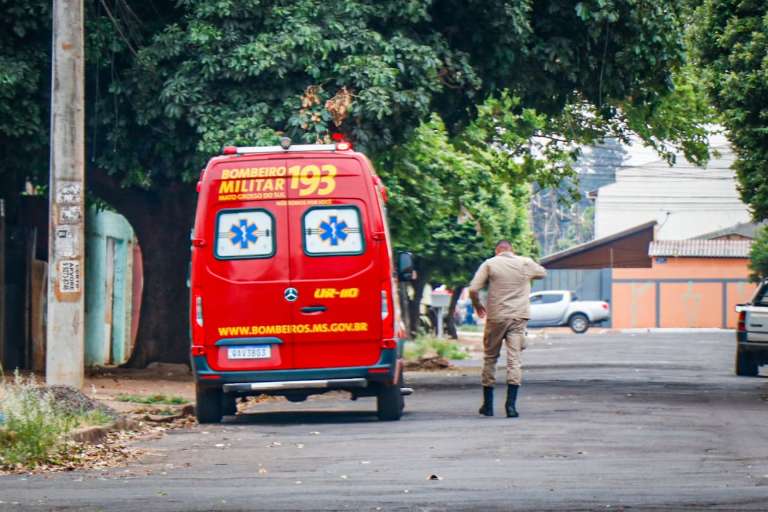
(503, 246)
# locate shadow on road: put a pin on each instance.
(313, 417)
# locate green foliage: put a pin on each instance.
(731, 38)
(24, 88)
(451, 201)
(759, 256)
(424, 346)
(33, 429)
(152, 399)
(174, 81)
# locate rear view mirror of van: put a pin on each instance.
(405, 270)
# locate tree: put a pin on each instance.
(25, 42)
(170, 82)
(731, 42)
(759, 256)
(449, 209)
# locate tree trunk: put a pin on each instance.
(162, 219)
(402, 296)
(450, 322)
(414, 305)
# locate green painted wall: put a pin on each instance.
(108, 292)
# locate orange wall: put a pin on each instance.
(633, 305)
(691, 305)
(686, 304)
(689, 268)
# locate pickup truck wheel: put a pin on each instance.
(390, 402)
(209, 405)
(746, 366)
(579, 323)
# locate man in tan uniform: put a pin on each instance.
(508, 278)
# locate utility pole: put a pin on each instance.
(2, 283)
(66, 240)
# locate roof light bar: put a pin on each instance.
(245, 150)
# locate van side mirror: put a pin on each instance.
(405, 270)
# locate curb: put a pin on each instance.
(97, 434)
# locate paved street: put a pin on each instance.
(609, 422)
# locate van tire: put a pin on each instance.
(746, 365)
(209, 405)
(579, 323)
(390, 402)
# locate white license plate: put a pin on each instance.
(250, 352)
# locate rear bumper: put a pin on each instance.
(326, 384)
(384, 370)
(754, 346)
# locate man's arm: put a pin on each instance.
(536, 271)
(477, 284)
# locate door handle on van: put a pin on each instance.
(310, 310)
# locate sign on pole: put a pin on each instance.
(66, 247)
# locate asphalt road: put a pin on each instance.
(609, 422)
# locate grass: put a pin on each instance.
(93, 418)
(152, 399)
(470, 328)
(33, 429)
(424, 346)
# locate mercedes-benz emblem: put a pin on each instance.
(291, 294)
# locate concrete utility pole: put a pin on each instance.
(66, 240)
(2, 283)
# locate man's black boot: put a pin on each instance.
(487, 408)
(511, 400)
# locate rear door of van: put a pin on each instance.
(247, 315)
(334, 262)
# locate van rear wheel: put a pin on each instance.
(390, 402)
(209, 407)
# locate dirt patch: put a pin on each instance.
(428, 363)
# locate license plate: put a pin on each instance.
(250, 352)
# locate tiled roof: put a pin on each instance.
(701, 248)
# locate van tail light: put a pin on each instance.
(229, 150)
(198, 350)
(199, 311)
(605, 306)
(389, 343)
(742, 325)
(384, 304)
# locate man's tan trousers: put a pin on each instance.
(496, 332)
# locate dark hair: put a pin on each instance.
(503, 243)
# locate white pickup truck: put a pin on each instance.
(752, 333)
(561, 307)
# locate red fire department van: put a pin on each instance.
(292, 280)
